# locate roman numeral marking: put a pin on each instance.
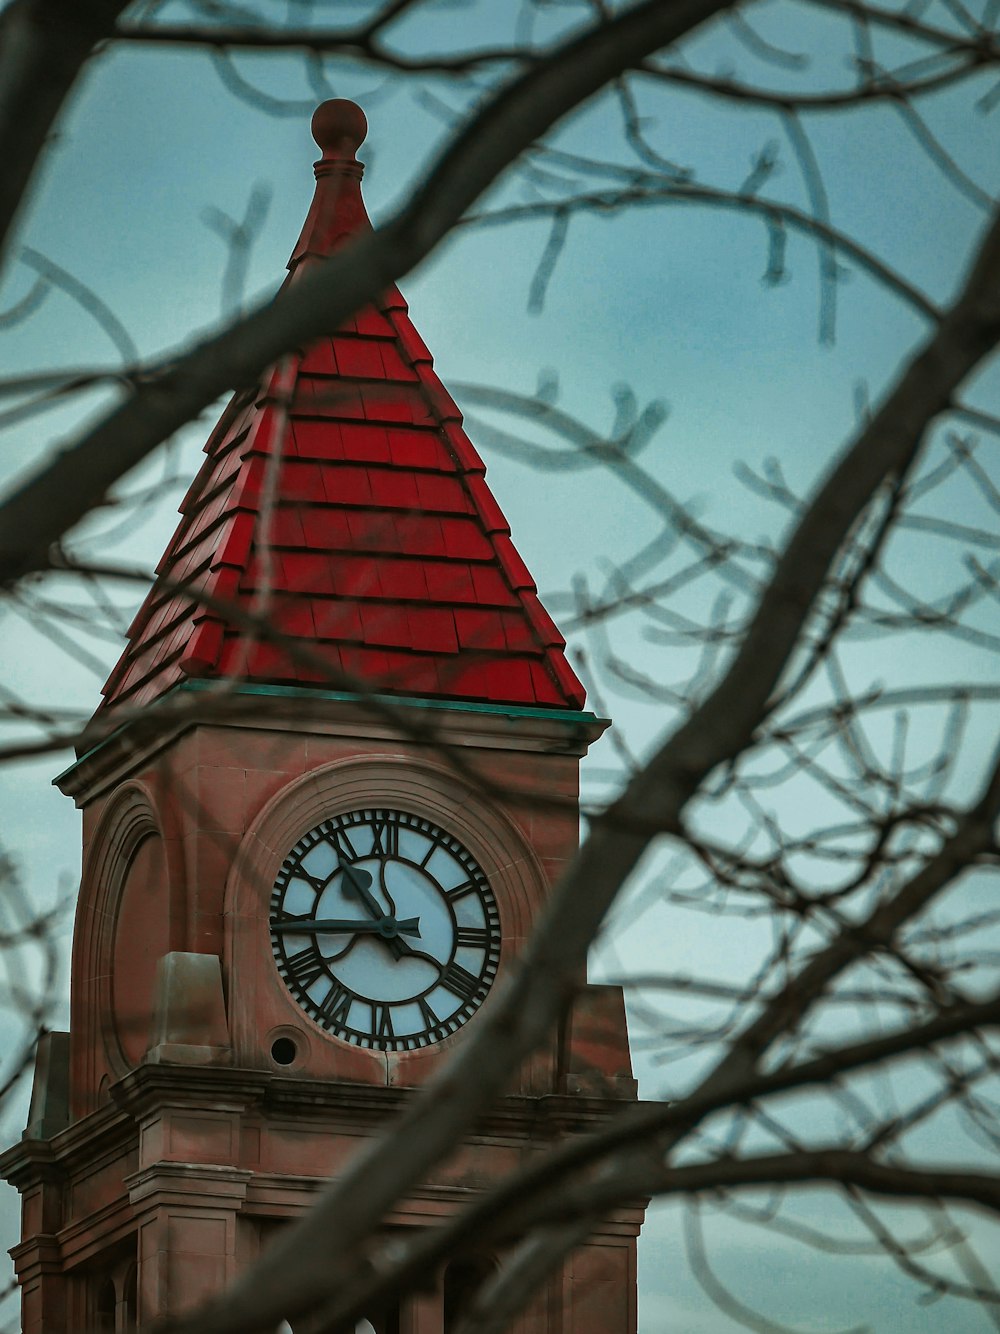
(304, 967)
(385, 838)
(429, 1017)
(475, 936)
(280, 918)
(460, 891)
(342, 846)
(334, 1007)
(460, 982)
(382, 1021)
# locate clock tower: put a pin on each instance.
(333, 778)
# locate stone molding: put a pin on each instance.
(125, 823)
(430, 790)
(133, 745)
(405, 781)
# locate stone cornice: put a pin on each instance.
(147, 1090)
(272, 708)
(101, 1134)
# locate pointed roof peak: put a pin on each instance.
(343, 500)
(338, 211)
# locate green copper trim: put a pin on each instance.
(571, 717)
(393, 701)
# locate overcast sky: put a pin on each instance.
(669, 301)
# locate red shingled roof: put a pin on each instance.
(343, 501)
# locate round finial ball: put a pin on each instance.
(339, 127)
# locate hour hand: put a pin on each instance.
(359, 882)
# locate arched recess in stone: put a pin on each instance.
(261, 1008)
(130, 1295)
(125, 922)
(105, 1306)
(426, 789)
(462, 1280)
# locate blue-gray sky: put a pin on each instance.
(667, 300)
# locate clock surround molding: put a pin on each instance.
(260, 1004)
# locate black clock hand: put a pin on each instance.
(400, 947)
(385, 888)
(404, 946)
(358, 882)
(386, 926)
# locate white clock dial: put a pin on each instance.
(384, 929)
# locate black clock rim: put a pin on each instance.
(369, 1038)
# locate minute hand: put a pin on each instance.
(386, 926)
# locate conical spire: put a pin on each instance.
(343, 501)
(338, 211)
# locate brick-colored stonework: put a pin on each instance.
(194, 1107)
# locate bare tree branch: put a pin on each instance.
(43, 46)
(288, 1280)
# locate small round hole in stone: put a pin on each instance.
(283, 1051)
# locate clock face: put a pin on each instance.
(384, 929)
